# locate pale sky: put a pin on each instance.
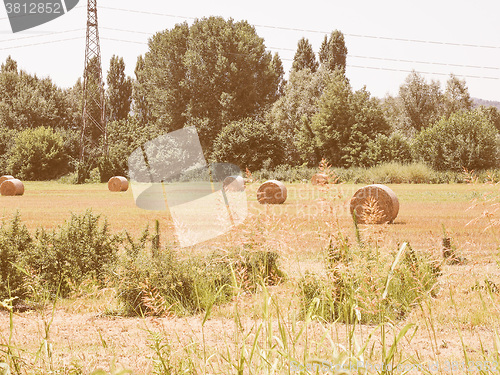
(468, 36)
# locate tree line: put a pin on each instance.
(217, 75)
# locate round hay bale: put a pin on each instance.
(234, 183)
(5, 178)
(319, 179)
(117, 184)
(271, 192)
(12, 187)
(375, 204)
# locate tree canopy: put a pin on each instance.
(333, 52)
(304, 57)
(119, 91)
(209, 74)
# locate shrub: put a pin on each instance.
(464, 140)
(385, 149)
(15, 242)
(80, 249)
(356, 281)
(249, 144)
(38, 154)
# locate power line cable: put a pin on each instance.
(40, 36)
(403, 60)
(40, 43)
(319, 31)
(349, 65)
(348, 55)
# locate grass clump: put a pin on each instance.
(156, 281)
(366, 286)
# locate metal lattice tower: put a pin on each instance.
(94, 116)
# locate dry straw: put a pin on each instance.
(5, 178)
(319, 179)
(386, 201)
(117, 184)
(234, 183)
(12, 187)
(271, 192)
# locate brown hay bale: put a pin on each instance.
(375, 204)
(6, 177)
(234, 183)
(117, 184)
(12, 187)
(319, 179)
(271, 192)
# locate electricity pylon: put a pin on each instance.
(94, 112)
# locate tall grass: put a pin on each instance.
(364, 286)
(385, 173)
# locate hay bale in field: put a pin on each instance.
(375, 204)
(6, 177)
(271, 192)
(319, 179)
(12, 187)
(117, 184)
(234, 183)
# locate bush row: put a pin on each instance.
(386, 173)
(360, 284)
(465, 139)
(149, 279)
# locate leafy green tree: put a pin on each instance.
(304, 57)
(333, 52)
(393, 112)
(119, 92)
(456, 96)
(492, 113)
(164, 75)
(140, 106)
(368, 122)
(420, 101)
(208, 74)
(125, 136)
(345, 122)
(74, 97)
(464, 140)
(38, 154)
(249, 144)
(295, 108)
(279, 73)
(387, 148)
(10, 65)
(27, 101)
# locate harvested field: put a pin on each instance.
(86, 334)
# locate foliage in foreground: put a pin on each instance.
(159, 282)
(362, 285)
(80, 249)
(152, 280)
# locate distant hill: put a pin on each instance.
(486, 103)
